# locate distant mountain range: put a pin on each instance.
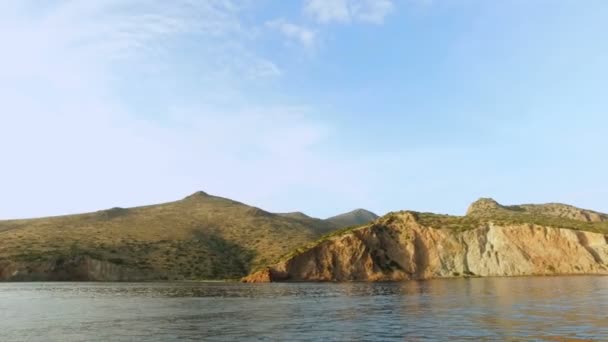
(205, 237)
(199, 237)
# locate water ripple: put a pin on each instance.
(552, 308)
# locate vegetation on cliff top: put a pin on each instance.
(486, 211)
(550, 215)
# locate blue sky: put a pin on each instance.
(309, 105)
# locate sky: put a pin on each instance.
(320, 106)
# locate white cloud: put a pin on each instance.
(304, 36)
(328, 10)
(372, 11)
(344, 11)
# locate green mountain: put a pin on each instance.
(199, 237)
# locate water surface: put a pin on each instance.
(531, 308)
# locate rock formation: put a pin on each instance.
(404, 245)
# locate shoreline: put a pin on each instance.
(304, 282)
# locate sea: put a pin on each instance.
(573, 308)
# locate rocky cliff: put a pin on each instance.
(410, 245)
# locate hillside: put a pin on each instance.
(491, 240)
(199, 237)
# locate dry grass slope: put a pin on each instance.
(199, 237)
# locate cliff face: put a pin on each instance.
(398, 247)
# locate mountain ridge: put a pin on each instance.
(198, 237)
(485, 206)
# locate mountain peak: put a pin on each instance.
(353, 218)
(198, 194)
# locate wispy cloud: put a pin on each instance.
(345, 11)
(99, 33)
(329, 11)
(304, 36)
(75, 143)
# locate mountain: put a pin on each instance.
(491, 240)
(353, 218)
(316, 225)
(356, 217)
(198, 237)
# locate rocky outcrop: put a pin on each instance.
(483, 206)
(267, 275)
(397, 247)
(78, 268)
